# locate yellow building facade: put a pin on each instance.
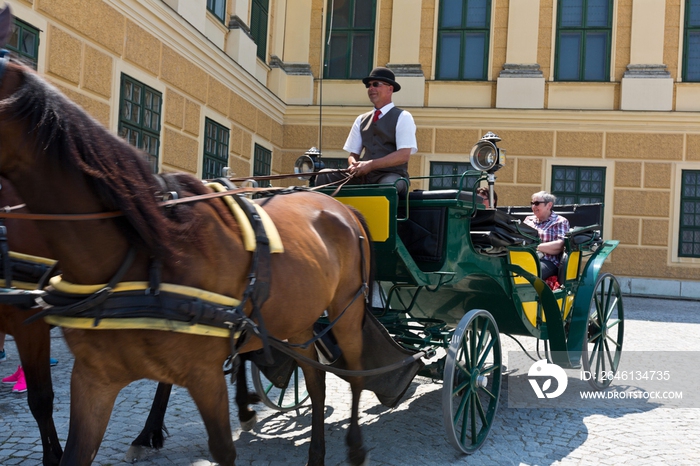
(247, 77)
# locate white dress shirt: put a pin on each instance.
(405, 132)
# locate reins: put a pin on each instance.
(6, 212)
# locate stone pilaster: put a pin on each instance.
(647, 85)
(521, 84)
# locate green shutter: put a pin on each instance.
(216, 139)
(689, 228)
(140, 117)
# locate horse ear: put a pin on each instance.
(5, 23)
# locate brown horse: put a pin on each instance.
(62, 161)
(33, 346)
(32, 340)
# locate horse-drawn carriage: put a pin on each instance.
(223, 278)
(453, 274)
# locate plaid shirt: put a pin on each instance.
(552, 229)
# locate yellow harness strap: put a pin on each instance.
(140, 323)
(245, 226)
(145, 323)
(66, 287)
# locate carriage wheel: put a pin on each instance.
(472, 381)
(603, 343)
(280, 399)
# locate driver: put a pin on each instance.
(385, 136)
(551, 228)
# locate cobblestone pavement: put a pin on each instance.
(412, 433)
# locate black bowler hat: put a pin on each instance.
(382, 74)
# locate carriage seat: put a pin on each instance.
(444, 194)
(423, 233)
(493, 231)
(575, 240)
(578, 215)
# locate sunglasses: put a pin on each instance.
(537, 202)
(375, 84)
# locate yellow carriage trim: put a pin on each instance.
(530, 310)
(572, 265)
(526, 260)
(141, 323)
(244, 224)
(67, 287)
(375, 209)
(568, 306)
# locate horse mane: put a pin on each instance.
(118, 172)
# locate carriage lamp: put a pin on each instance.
(309, 163)
(486, 156)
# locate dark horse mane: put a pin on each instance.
(118, 172)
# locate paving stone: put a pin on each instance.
(411, 433)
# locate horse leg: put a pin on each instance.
(316, 386)
(352, 352)
(33, 344)
(153, 434)
(211, 397)
(92, 398)
(246, 415)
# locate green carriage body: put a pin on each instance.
(450, 280)
(451, 276)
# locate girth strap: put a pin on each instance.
(258, 289)
(90, 302)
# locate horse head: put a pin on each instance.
(5, 22)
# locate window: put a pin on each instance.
(349, 54)
(691, 51)
(215, 149)
(584, 31)
(217, 8)
(24, 42)
(463, 39)
(689, 231)
(578, 185)
(262, 161)
(139, 117)
(449, 173)
(258, 26)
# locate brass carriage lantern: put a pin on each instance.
(488, 157)
(308, 163)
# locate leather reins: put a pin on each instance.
(6, 212)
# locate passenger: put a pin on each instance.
(483, 193)
(551, 228)
(385, 137)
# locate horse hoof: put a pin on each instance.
(136, 453)
(366, 461)
(250, 423)
(355, 461)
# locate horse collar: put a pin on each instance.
(4, 59)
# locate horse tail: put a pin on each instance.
(369, 261)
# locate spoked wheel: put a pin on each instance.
(603, 343)
(472, 381)
(280, 399)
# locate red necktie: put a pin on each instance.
(377, 113)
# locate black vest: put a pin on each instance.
(379, 139)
